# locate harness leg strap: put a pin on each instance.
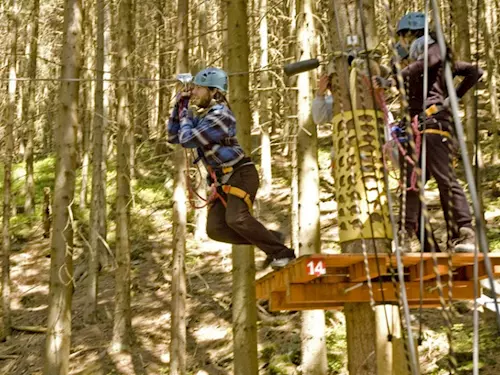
(240, 193)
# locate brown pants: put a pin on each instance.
(235, 224)
(451, 193)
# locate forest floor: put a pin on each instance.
(208, 268)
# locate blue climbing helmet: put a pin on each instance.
(212, 77)
(411, 21)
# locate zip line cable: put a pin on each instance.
(424, 168)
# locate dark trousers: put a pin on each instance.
(453, 201)
(235, 224)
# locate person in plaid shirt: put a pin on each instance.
(202, 119)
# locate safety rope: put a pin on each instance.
(412, 144)
(424, 170)
(475, 313)
(447, 316)
(361, 79)
(355, 78)
(409, 349)
(459, 131)
(343, 122)
(193, 190)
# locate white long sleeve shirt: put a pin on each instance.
(322, 109)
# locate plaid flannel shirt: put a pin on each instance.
(207, 134)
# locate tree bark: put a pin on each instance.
(488, 23)
(162, 67)
(122, 318)
(98, 194)
(264, 111)
(291, 127)
(29, 110)
(58, 340)
(244, 301)
(362, 198)
(223, 21)
(178, 324)
(200, 231)
(86, 103)
(463, 52)
(131, 90)
(313, 322)
(10, 118)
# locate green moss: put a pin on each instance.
(336, 344)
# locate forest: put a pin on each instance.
(109, 262)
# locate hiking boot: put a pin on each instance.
(265, 263)
(466, 243)
(282, 259)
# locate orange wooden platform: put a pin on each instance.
(327, 281)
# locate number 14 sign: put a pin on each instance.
(316, 267)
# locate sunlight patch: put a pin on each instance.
(210, 333)
(165, 357)
(491, 215)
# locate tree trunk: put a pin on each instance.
(291, 124)
(131, 90)
(178, 322)
(313, 322)
(223, 21)
(362, 199)
(463, 53)
(244, 302)
(141, 123)
(10, 119)
(98, 199)
(29, 110)
(162, 67)
(200, 231)
(488, 24)
(50, 119)
(85, 95)
(122, 318)
(57, 347)
(264, 111)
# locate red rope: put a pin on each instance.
(214, 195)
(379, 98)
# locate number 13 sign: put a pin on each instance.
(316, 267)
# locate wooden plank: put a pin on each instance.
(496, 269)
(278, 303)
(299, 272)
(338, 266)
(351, 292)
(467, 272)
(357, 271)
(428, 268)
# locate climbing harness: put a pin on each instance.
(218, 180)
(480, 227)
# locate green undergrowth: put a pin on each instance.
(152, 196)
